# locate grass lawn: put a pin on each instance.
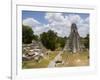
(69, 59)
(75, 59)
(33, 64)
(43, 62)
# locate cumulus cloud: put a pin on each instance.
(40, 29)
(34, 24)
(62, 24)
(59, 23)
(74, 18)
(83, 30)
(54, 17)
(31, 22)
(87, 20)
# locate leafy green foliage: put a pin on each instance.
(87, 41)
(49, 39)
(61, 41)
(35, 37)
(27, 34)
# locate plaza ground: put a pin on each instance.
(68, 60)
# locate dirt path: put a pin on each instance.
(58, 57)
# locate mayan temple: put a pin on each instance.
(73, 42)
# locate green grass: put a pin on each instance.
(43, 62)
(70, 60)
(32, 64)
(75, 59)
(52, 55)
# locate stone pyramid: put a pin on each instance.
(73, 42)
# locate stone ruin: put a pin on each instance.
(35, 51)
(73, 42)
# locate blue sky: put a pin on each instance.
(39, 15)
(42, 21)
(34, 14)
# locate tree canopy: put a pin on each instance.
(27, 34)
(49, 39)
(87, 41)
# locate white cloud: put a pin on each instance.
(74, 18)
(40, 29)
(54, 17)
(31, 22)
(60, 24)
(36, 25)
(87, 20)
(61, 28)
(83, 30)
